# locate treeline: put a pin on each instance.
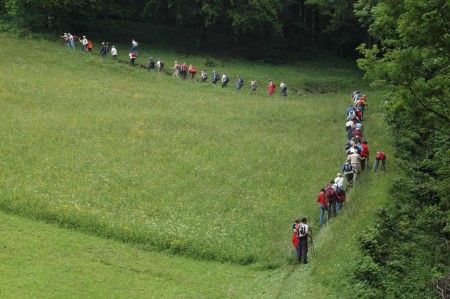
(253, 29)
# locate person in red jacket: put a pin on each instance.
(324, 205)
(364, 155)
(271, 88)
(379, 157)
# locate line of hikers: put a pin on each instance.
(179, 70)
(332, 197)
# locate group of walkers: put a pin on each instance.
(182, 71)
(332, 197)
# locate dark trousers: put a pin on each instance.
(302, 250)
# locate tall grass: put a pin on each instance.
(172, 165)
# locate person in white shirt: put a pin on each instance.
(339, 181)
(84, 43)
(114, 52)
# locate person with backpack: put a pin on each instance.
(103, 49)
(253, 86)
(339, 180)
(380, 156)
(192, 71)
(303, 232)
(183, 70)
(355, 160)
(132, 56)
(324, 206)
(362, 105)
(330, 193)
(225, 80)
(364, 154)
(160, 65)
(340, 198)
(151, 64)
(349, 173)
(203, 76)
(283, 87)
(239, 82)
(215, 78)
(90, 45)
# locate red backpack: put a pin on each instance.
(329, 193)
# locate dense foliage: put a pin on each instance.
(408, 248)
(254, 29)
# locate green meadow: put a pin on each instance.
(143, 177)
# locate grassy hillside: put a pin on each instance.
(180, 167)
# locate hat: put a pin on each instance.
(339, 175)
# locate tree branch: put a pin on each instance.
(441, 116)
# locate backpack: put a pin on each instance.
(348, 167)
(227, 79)
(161, 63)
(301, 230)
(329, 192)
(340, 194)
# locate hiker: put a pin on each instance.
(192, 71)
(134, 47)
(330, 193)
(103, 49)
(324, 206)
(380, 156)
(294, 235)
(350, 110)
(203, 76)
(114, 52)
(70, 42)
(339, 180)
(283, 87)
(364, 154)
(349, 173)
(215, 78)
(362, 105)
(176, 69)
(302, 230)
(253, 86)
(271, 88)
(239, 82)
(132, 58)
(151, 64)
(183, 70)
(160, 65)
(340, 198)
(84, 43)
(66, 39)
(90, 45)
(349, 126)
(225, 80)
(355, 160)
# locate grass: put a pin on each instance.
(178, 166)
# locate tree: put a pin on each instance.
(411, 61)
